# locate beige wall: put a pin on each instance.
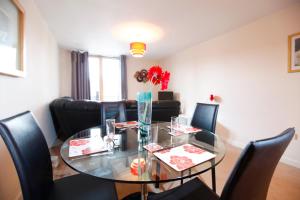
(65, 72)
(34, 92)
(136, 64)
(247, 68)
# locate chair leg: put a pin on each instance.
(213, 178)
(157, 177)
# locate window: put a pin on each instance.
(105, 78)
(94, 70)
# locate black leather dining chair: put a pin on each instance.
(113, 110)
(29, 151)
(205, 117)
(249, 179)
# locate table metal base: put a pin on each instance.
(136, 196)
(143, 195)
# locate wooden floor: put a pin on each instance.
(285, 183)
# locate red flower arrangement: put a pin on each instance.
(157, 76)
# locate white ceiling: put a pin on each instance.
(93, 24)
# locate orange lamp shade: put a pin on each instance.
(137, 49)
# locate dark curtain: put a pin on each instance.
(80, 75)
(124, 89)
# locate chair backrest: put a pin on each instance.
(205, 116)
(113, 110)
(253, 172)
(29, 151)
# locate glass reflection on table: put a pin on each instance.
(127, 155)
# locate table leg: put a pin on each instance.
(213, 175)
(144, 191)
(213, 178)
(157, 175)
(181, 181)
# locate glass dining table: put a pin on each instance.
(130, 162)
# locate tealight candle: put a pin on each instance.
(136, 164)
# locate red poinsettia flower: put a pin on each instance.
(165, 80)
(155, 74)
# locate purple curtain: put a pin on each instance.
(124, 88)
(80, 75)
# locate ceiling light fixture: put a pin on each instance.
(137, 49)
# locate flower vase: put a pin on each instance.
(144, 103)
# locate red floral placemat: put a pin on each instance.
(183, 129)
(126, 124)
(152, 147)
(86, 146)
(184, 157)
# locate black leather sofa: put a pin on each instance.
(70, 116)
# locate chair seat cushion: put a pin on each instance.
(194, 189)
(82, 187)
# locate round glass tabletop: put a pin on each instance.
(131, 163)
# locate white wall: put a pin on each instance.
(41, 84)
(34, 92)
(136, 64)
(247, 68)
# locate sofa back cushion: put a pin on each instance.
(71, 116)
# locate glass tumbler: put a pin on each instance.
(182, 121)
(110, 132)
(174, 124)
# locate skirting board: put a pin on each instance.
(284, 159)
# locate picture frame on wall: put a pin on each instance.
(11, 38)
(294, 53)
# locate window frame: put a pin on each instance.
(101, 93)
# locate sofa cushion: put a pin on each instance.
(131, 104)
(81, 105)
